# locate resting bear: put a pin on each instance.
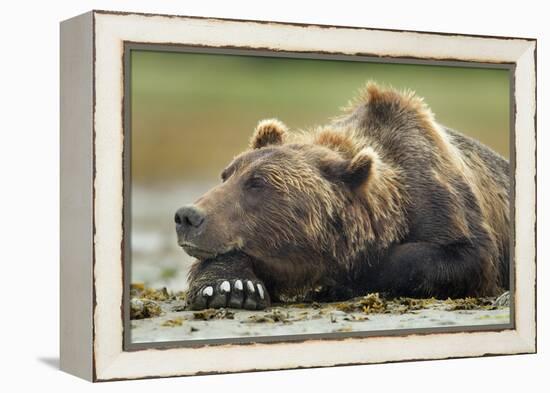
(381, 199)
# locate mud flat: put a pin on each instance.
(159, 315)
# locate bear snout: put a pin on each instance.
(188, 219)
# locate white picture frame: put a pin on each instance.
(92, 190)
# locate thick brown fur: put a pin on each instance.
(382, 198)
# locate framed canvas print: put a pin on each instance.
(247, 195)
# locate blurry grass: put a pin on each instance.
(168, 273)
(191, 113)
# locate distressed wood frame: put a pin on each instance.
(92, 189)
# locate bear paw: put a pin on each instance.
(236, 293)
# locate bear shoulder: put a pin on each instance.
(394, 118)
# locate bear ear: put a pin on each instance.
(355, 172)
(360, 168)
(268, 132)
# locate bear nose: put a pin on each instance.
(189, 217)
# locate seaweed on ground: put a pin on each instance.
(145, 302)
(470, 303)
(370, 304)
(213, 313)
(144, 308)
(404, 305)
(140, 291)
(275, 315)
(374, 304)
(173, 322)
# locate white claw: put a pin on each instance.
(225, 287)
(250, 286)
(261, 291)
(208, 291)
(239, 285)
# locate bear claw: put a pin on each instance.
(232, 294)
(225, 287)
(260, 291)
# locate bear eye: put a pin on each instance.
(255, 182)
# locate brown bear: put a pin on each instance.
(381, 199)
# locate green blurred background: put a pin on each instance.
(192, 113)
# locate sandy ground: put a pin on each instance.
(365, 314)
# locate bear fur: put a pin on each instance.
(381, 199)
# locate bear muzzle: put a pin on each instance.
(193, 234)
(188, 218)
(189, 221)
